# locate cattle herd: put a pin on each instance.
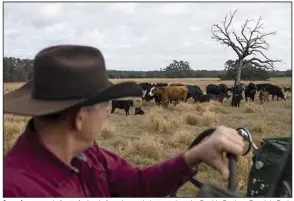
(164, 93)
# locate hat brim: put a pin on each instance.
(20, 102)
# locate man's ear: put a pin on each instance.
(78, 120)
(75, 118)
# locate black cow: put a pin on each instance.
(193, 91)
(122, 104)
(224, 88)
(202, 98)
(216, 90)
(160, 84)
(238, 89)
(250, 91)
(139, 111)
(275, 91)
(218, 98)
(236, 99)
(260, 87)
(271, 89)
(212, 96)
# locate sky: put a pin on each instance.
(143, 36)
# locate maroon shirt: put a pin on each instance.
(31, 170)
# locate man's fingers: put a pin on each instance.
(234, 136)
(237, 142)
(231, 135)
(222, 167)
(233, 148)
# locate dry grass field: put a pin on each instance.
(162, 133)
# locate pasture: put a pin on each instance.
(162, 133)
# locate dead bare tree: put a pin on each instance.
(250, 42)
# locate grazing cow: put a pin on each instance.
(218, 98)
(170, 93)
(287, 89)
(216, 90)
(260, 87)
(263, 96)
(202, 98)
(139, 111)
(236, 99)
(250, 91)
(275, 91)
(193, 91)
(122, 104)
(212, 96)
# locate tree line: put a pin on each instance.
(21, 70)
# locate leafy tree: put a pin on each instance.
(249, 72)
(178, 69)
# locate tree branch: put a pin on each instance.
(226, 39)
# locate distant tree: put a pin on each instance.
(249, 42)
(178, 69)
(249, 72)
(288, 73)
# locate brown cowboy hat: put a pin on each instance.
(65, 76)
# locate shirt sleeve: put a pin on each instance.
(12, 189)
(17, 184)
(9, 191)
(159, 180)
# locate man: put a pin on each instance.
(57, 156)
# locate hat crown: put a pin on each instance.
(68, 72)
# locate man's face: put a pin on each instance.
(90, 121)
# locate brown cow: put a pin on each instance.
(263, 96)
(170, 93)
(176, 84)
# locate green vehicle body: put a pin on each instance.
(266, 160)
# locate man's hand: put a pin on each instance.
(211, 150)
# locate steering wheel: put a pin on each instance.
(210, 190)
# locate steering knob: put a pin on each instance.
(246, 135)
